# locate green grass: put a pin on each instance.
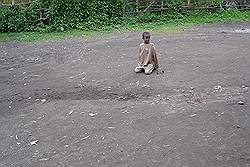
(227, 16)
(37, 36)
(173, 26)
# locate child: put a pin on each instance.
(147, 56)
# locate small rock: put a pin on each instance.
(193, 115)
(43, 100)
(241, 103)
(125, 111)
(244, 86)
(92, 114)
(143, 86)
(41, 117)
(70, 112)
(34, 142)
(85, 137)
(218, 88)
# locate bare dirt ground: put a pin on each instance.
(78, 103)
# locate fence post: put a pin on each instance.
(40, 12)
(162, 7)
(137, 5)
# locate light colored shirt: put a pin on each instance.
(147, 55)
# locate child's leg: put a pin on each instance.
(139, 69)
(149, 69)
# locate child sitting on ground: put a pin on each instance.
(147, 56)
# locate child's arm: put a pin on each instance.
(140, 49)
(155, 58)
(140, 52)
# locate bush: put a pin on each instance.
(61, 15)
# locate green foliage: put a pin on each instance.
(64, 15)
(61, 15)
(130, 23)
(207, 2)
(15, 19)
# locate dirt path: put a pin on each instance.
(78, 102)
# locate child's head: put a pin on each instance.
(146, 37)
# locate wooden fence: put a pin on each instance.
(138, 6)
(143, 6)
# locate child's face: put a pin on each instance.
(146, 39)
